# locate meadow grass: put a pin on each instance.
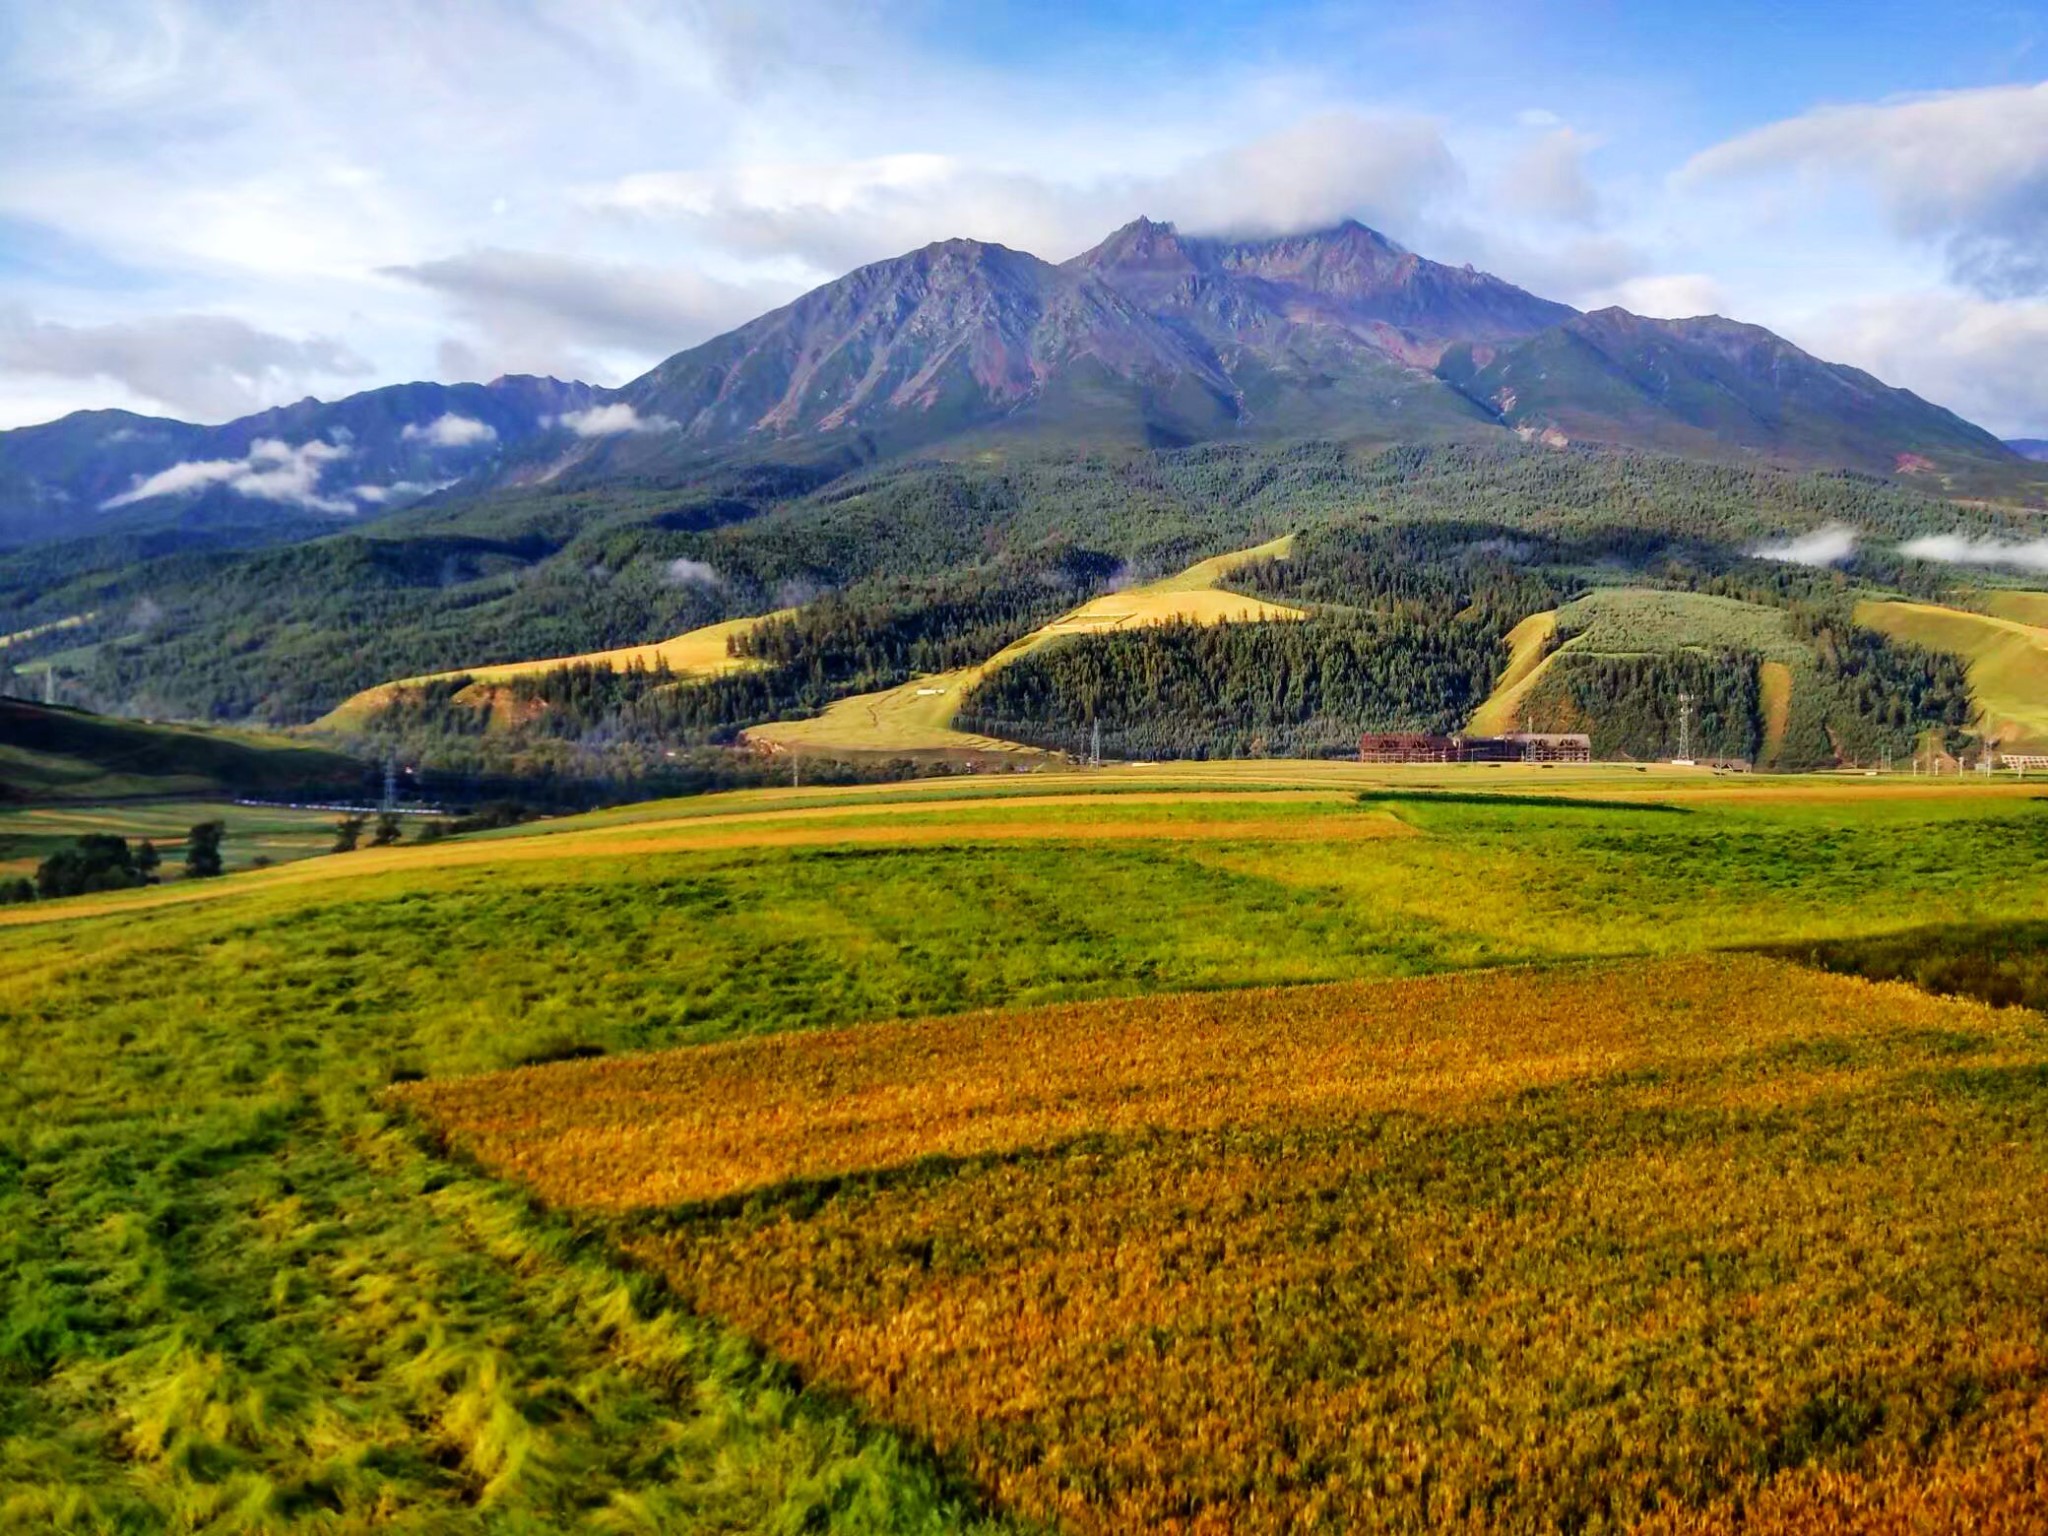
(235, 1294)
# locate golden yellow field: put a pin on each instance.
(696, 653)
(917, 716)
(2007, 661)
(1595, 1247)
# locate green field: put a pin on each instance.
(246, 1287)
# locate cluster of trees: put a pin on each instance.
(101, 861)
(1629, 704)
(1234, 690)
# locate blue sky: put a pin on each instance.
(208, 208)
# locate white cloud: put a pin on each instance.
(398, 490)
(212, 366)
(1669, 296)
(451, 431)
(1547, 178)
(1824, 546)
(692, 573)
(1385, 169)
(1960, 549)
(555, 314)
(612, 421)
(1967, 169)
(272, 470)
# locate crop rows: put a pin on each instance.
(1691, 1244)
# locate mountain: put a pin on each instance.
(294, 469)
(2035, 448)
(1709, 387)
(1152, 337)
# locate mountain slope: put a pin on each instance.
(299, 467)
(1711, 387)
(2035, 448)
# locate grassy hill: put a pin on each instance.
(916, 718)
(55, 753)
(1760, 689)
(2007, 659)
(696, 653)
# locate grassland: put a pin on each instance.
(916, 718)
(696, 653)
(243, 1289)
(1373, 1257)
(2023, 607)
(2007, 660)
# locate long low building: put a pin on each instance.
(1515, 747)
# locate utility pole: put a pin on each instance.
(49, 682)
(1095, 746)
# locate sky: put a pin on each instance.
(208, 208)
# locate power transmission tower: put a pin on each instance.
(391, 783)
(1684, 727)
(49, 682)
(1095, 746)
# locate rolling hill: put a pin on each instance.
(2007, 660)
(54, 753)
(697, 653)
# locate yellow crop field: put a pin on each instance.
(695, 653)
(2007, 662)
(917, 716)
(1671, 1244)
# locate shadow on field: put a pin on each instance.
(2005, 964)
